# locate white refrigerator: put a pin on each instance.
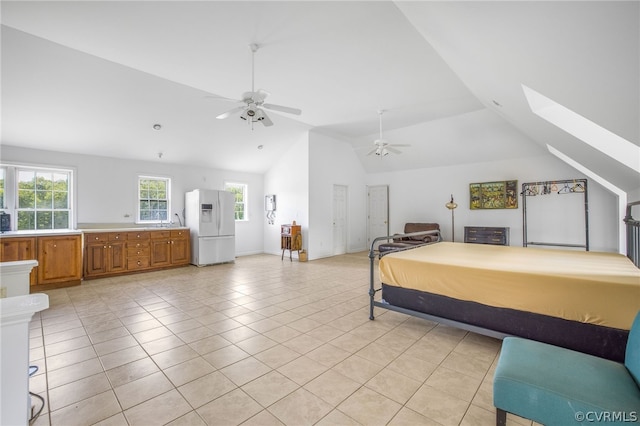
(209, 214)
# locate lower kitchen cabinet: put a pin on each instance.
(138, 251)
(20, 248)
(134, 251)
(160, 249)
(180, 247)
(59, 259)
(105, 253)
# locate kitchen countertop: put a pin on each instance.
(133, 229)
(41, 232)
(46, 232)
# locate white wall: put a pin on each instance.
(333, 162)
(106, 188)
(288, 179)
(420, 196)
(303, 182)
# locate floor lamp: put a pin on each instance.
(451, 206)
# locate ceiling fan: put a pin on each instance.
(253, 102)
(383, 147)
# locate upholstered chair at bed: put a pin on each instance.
(557, 386)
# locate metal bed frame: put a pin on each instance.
(573, 335)
(446, 321)
(633, 235)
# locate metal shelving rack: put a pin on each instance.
(568, 186)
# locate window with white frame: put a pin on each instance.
(38, 198)
(240, 192)
(3, 173)
(154, 199)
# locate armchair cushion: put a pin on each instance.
(418, 227)
(400, 242)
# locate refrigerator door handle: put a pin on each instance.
(218, 216)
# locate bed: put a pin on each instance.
(585, 301)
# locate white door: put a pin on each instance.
(339, 219)
(377, 213)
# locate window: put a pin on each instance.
(39, 198)
(154, 200)
(586, 130)
(2, 180)
(240, 191)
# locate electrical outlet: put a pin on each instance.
(3, 292)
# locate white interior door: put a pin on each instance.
(377, 212)
(339, 219)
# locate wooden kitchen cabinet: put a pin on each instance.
(19, 248)
(180, 247)
(138, 251)
(105, 253)
(160, 248)
(134, 251)
(170, 248)
(59, 259)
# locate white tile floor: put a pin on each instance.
(258, 342)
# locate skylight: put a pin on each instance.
(586, 130)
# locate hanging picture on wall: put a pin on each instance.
(494, 195)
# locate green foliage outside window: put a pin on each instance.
(2, 204)
(153, 197)
(240, 192)
(43, 200)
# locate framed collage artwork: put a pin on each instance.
(494, 195)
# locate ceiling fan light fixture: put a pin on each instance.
(381, 151)
(254, 101)
(382, 146)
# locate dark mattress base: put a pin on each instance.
(604, 342)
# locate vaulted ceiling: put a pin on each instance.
(94, 77)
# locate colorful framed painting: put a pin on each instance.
(494, 195)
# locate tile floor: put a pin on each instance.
(258, 342)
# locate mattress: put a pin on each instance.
(589, 287)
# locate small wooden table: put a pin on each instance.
(290, 239)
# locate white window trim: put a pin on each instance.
(585, 130)
(246, 198)
(137, 198)
(11, 189)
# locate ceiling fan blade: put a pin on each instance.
(399, 144)
(231, 112)
(264, 119)
(262, 94)
(372, 151)
(223, 98)
(395, 151)
(280, 108)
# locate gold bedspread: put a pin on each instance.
(590, 287)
